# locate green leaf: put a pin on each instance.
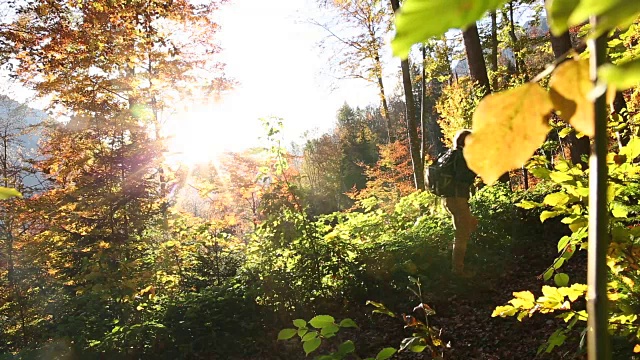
(329, 330)
(573, 292)
(622, 76)
(321, 321)
(7, 193)
(348, 323)
(310, 336)
(556, 199)
(419, 20)
(286, 334)
(302, 332)
(526, 204)
(547, 274)
(299, 323)
(564, 132)
(556, 339)
(407, 343)
(523, 300)
(547, 215)
(380, 308)
(346, 347)
(560, 177)
(617, 17)
(559, 12)
(504, 311)
(619, 211)
(564, 241)
(612, 13)
(558, 263)
(311, 345)
(540, 172)
(632, 149)
(561, 279)
(385, 353)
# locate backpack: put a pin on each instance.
(441, 176)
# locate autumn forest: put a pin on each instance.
(115, 244)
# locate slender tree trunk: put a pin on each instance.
(383, 100)
(561, 45)
(431, 132)
(521, 68)
(423, 108)
(412, 126)
(473, 49)
(494, 41)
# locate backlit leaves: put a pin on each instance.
(385, 353)
(7, 193)
(570, 88)
(508, 128)
(561, 279)
(559, 12)
(419, 20)
(622, 76)
(321, 321)
(612, 13)
(311, 345)
(286, 334)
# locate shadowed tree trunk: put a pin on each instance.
(412, 125)
(578, 147)
(494, 41)
(473, 49)
(431, 131)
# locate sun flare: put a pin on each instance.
(194, 137)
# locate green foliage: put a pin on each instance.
(419, 20)
(328, 328)
(7, 193)
(569, 202)
(456, 106)
(423, 335)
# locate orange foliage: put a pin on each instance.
(390, 178)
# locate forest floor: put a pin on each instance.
(464, 307)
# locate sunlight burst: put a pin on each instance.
(194, 137)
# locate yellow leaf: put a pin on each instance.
(636, 349)
(6, 193)
(570, 86)
(508, 127)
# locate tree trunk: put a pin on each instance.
(561, 45)
(520, 66)
(385, 111)
(412, 126)
(494, 41)
(431, 131)
(473, 49)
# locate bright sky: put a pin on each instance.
(273, 52)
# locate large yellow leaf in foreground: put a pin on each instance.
(507, 127)
(570, 86)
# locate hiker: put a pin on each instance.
(457, 204)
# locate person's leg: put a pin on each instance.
(459, 209)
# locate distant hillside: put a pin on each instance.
(19, 122)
